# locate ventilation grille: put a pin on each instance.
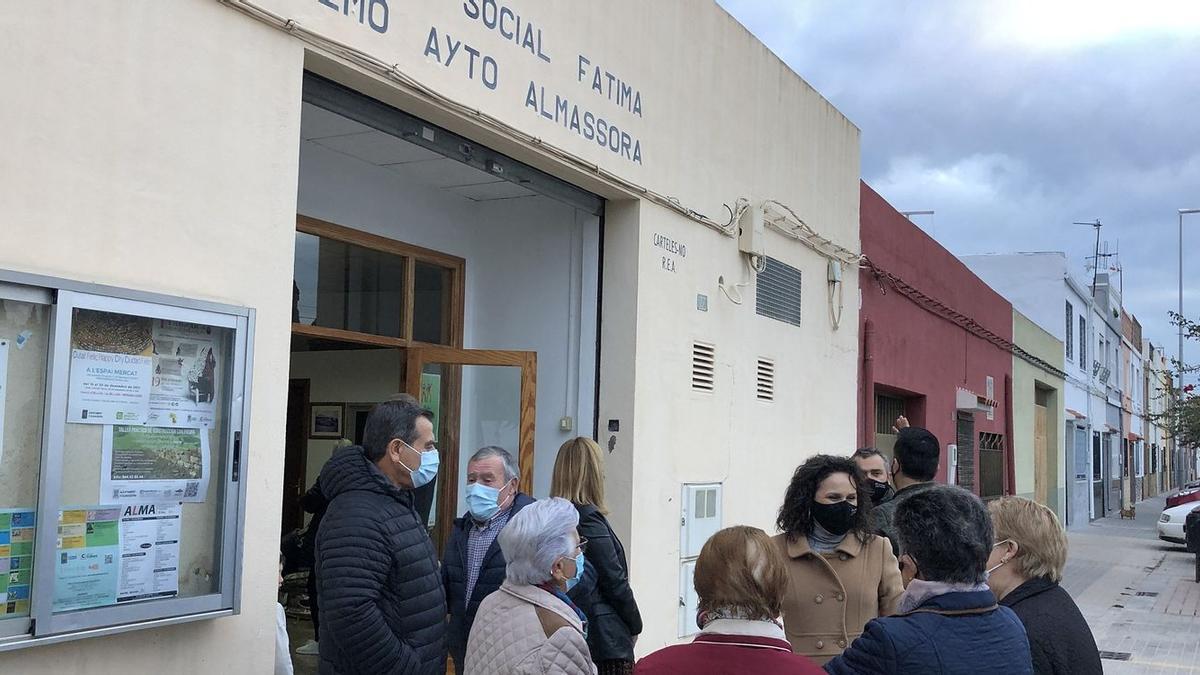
(704, 361)
(766, 380)
(777, 292)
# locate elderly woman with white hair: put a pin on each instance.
(530, 625)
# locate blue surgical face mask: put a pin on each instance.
(428, 468)
(483, 501)
(571, 582)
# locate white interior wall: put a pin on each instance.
(364, 376)
(531, 275)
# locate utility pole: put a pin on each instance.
(1090, 373)
(1179, 454)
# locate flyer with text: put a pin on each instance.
(184, 384)
(17, 527)
(149, 551)
(154, 464)
(89, 550)
(108, 388)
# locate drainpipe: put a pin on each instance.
(1011, 469)
(868, 385)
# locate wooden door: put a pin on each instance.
(295, 454)
(1041, 479)
(448, 365)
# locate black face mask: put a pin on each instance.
(836, 518)
(879, 490)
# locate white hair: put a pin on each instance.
(510, 467)
(536, 537)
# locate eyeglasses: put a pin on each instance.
(582, 544)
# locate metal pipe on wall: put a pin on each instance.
(868, 385)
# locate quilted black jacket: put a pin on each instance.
(454, 577)
(382, 605)
(1059, 638)
(612, 613)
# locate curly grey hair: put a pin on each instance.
(536, 537)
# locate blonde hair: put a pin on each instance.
(743, 573)
(579, 473)
(1041, 541)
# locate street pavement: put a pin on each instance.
(1137, 593)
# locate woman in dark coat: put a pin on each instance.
(1026, 567)
(612, 613)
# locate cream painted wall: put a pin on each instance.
(1026, 378)
(141, 151)
(721, 117)
(729, 436)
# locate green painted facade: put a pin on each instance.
(1041, 479)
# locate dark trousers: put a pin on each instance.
(312, 602)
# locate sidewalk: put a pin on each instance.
(1137, 594)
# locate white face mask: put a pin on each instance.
(989, 571)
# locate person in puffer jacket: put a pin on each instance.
(948, 621)
(530, 626)
(383, 608)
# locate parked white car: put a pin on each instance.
(1170, 523)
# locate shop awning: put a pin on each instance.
(1078, 415)
(1133, 437)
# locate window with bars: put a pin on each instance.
(1070, 341)
(887, 409)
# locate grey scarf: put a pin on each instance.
(824, 541)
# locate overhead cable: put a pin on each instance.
(938, 308)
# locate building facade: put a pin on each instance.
(1042, 288)
(1040, 433)
(932, 350)
(539, 234)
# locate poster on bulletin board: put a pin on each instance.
(17, 528)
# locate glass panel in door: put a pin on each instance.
(479, 398)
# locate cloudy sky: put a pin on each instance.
(1013, 118)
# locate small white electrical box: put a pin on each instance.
(751, 231)
(835, 272)
(701, 517)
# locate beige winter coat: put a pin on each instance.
(833, 595)
(526, 631)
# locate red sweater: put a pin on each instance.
(716, 654)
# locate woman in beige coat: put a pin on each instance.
(842, 575)
(529, 626)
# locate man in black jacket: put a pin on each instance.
(473, 566)
(915, 459)
(382, 604)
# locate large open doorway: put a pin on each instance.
(431, 266)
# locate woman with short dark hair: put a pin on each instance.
(842, 575)
(948, 621)
(741, 579)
